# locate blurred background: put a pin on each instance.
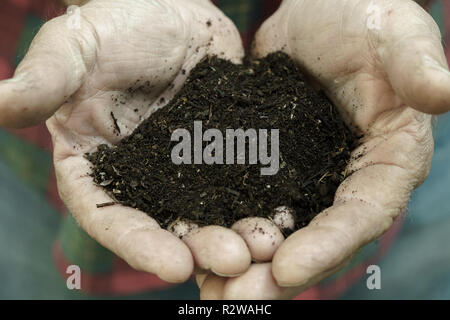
(39, 239)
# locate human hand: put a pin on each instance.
(125, 57)
(382, 63)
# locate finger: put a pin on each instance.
(361, 212)
(326, 242)
(212, 288)
(397, 161)
(258, 283)
(51, 72)
(129, 233)
(284, 218)
(219, 250)
(261, 235)
(209, 255)
(413, 57)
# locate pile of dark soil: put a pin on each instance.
(270, 93)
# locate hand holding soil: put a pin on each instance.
(380, 62)
(125, 61)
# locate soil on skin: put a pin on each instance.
(270, 93)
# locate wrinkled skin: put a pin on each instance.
(383, 65)
(70, 77)
(382, 80)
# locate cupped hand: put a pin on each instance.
(382, 63)
(122, 59)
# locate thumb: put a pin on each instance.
(411, 54)
(51, 71)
